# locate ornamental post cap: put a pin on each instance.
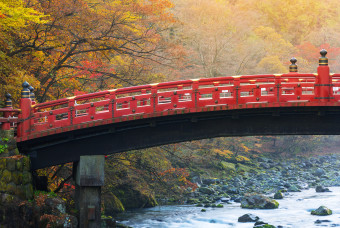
(293, 60)
(293, 67)
(31, 88)
(323, 53)
(25, 92)
(8, 96)
(323, 60)
(25, 85)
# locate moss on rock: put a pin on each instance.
(11, 164)
(3, 163)
(322, 211)
(26, 177)
(112, 204)
(253, 201)
(132, 198)
(6, 176)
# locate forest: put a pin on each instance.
(71, 47)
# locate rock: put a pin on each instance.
(210, 181)
(219, 205)
(6, 176)
(248, 218)
(11, 164)
(203, 210)
(69, 221)
(232, 190)
(319, 172)
(253, 201)
(132, 198)
(293, 188)
(193, 201)
(321, 221)
(206, 190)
(320, 188)
(278, 195)
(322, 211)
(236, 199)
(112, 204)
(225, 200)
(264, 226)
(265, 165)
(259, 223)
(55, 206)
(196, 179)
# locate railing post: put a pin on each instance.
(8, 105)
(112, 98)
(154, 100)
(323, 82)
(25, 106)
(237, 87)
(195, 96)
(278, 87)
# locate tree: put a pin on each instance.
(87, 45)
(14, 17)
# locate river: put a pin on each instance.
(294, 211)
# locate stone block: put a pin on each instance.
(6, 176)
(28, 191)
(3, 163)
(26, 163)
(90, 170)
(20, 191)
(11, 164)
(26, 177)
(11, 188)
(17, 177)
(19, 165)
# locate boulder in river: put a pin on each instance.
(261, 224)
(320, 188)
(278, 195)
(321, 221)
(322, 211)
(259, 201)
(248, 218)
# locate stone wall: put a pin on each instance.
(15, 175)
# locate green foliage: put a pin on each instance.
(3, 145)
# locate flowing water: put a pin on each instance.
(294, 211)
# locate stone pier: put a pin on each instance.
(89, 176)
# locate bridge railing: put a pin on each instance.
(168, 98)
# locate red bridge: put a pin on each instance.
(123, 119)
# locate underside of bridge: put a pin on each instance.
(144, 133)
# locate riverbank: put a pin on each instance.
(268, 176)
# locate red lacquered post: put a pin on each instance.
(323, 82)
(25, 106)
